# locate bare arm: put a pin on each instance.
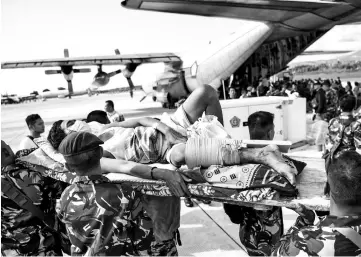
(172, 136)
(133, 123)
(173, 179)
(125, 167)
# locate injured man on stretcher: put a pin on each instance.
(192, 136)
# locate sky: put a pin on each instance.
(43, 28)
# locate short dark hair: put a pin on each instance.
(110, 102)
(31, 119)
(258, 124)
(326, 83)
(347, 103)
(344, 178)
(56, 134)
(98, 116)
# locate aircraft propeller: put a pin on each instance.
(66, 53)
(128, 72)
(154, 98)
(70, 87)
(143, 98)
(68, 72)
(131, 86)
(102, 78)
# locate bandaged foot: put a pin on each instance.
(272, 157)
(204, 152)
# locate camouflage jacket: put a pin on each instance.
(104, 218)
(344, 131)
(21, 232)
(331, 98)
(259, 231)
(320, 240)
(331, 105)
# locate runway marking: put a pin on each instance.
(191, 226)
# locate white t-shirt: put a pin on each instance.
(115, 117)
(93, 127)
(27, 143)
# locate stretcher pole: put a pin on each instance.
(224, 90)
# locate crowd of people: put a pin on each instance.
(307, 88)
(85, 214)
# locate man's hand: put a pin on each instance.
(174, 137)
(175, 181)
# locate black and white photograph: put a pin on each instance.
(200, 128)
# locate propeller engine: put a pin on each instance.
(102, 78)
(128, 72)
(68, 73)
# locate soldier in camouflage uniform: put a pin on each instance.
(331, 101)
(22, 233)
(344, 132)
(259, 230)
(337, 234)
(103, 218)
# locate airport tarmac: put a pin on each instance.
(205, 229)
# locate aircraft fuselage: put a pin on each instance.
(246, 52)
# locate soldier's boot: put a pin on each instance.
(264, 242)
(188, 202)
(205, 152)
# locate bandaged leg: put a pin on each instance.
(176, 156)
(204, 152)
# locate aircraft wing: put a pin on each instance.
(291, 16)
(96, 60)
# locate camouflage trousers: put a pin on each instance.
(166, 248)
(31, 241)
(260, 231)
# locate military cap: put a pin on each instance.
(76, 144)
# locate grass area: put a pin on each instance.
(352, 76)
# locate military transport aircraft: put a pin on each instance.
(280, 30)
(284, 29)
(101, 78)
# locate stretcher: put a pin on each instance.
(310, 185)
(258, 189)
